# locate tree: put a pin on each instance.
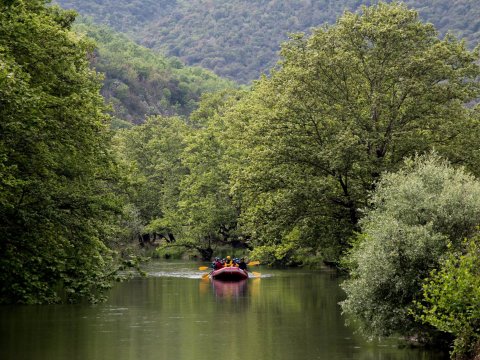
(206, 209)
(417, 212)
(56, 171)
(344, 105)
(151, 154)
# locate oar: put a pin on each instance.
(204, 276)
(203, 268)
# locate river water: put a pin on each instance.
(174, 314)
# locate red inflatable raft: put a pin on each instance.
(229, 274)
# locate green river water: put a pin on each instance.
(174, 314)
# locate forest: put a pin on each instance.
(359, 151)
(240, 39)
(140, 82)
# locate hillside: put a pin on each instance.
(240, 39)
(141, 82)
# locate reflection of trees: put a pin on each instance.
(291, 315)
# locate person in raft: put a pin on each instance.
(217, 264)
(242, 264)
(228, 262)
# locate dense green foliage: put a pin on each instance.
(140, 82)
(150, 153)
(56, 169)
(240, 39)
(417, 213)
(123, 15)
(206, 207)
(178, 182)
(451, 296)
(347, 103)
(309, 164)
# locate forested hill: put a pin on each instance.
(239, 39)
(141, 82)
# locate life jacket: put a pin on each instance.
(228, 263)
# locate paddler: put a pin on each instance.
(228, 262)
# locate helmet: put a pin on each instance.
(228, 257)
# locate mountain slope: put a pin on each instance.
(239, 39)
(141, 82)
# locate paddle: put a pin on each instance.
(253, 263)
(204, 276)
(203, 268)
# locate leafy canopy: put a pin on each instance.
(56, 170)
(343, 106)
(206, 207)
(150, 153)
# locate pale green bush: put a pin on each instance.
(416, 212)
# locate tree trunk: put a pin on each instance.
(206, 253)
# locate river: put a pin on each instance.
(174, 314)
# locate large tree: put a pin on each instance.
(151, 154)
(206, 210)
(55, 166)
(344, 105)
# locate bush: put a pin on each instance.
(451, 297)
(416, 213)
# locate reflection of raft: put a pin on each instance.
(229, 274)
(230, 289)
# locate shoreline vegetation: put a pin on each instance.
(360, 149)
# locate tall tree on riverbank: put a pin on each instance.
(151, 154)
(178, 178)
(206, 208)
(344, 105)
(55, 166)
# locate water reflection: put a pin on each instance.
(289, 315)
(229, 289)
